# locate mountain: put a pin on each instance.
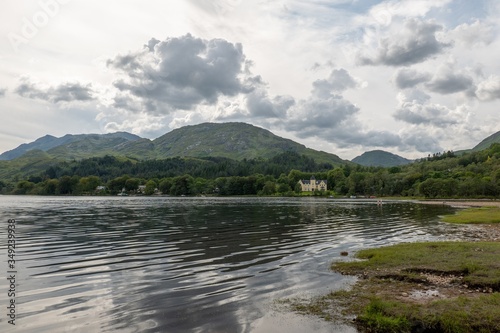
(231, 140)
(73, 146)
(236, 141)
(486, 143)
(380, 158)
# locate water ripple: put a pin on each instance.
(190, 264)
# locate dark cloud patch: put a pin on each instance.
(417, 114)
(124, 102)
(409, 78)
(127, 62)
(151, 44)
(410, 116)
(65, 92)
(353, 135)
(260, 105)
(415, 44)
(68, 92)
(180, 73)
(422, 141)
(381, 139)
(449, 83)
(315, 116)
(338, 81)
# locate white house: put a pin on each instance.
(312, 184)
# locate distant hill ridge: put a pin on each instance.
(231, 140)
(49, 142)
(486, 143)
(380, 158)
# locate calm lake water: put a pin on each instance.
(140, 264)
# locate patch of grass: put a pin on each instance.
(460, 315)
(464, 314)
(378, 317)
(475, 215)
(381, 301)
(477, 261)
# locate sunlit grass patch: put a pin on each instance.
(475, 215)
(460, 315)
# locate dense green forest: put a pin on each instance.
(474, 174)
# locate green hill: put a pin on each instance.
(232, 140)
(30, 163)
(380, 158)
(73, 146)
(235, 141)
(486, 143)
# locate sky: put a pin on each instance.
(411, 77)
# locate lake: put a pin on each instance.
(164, 264)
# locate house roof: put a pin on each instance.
(316, 182)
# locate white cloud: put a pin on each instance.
(489, 89)
(419, 111)
(154, 85)
(179, 73)
(415, 43)
(474, 34)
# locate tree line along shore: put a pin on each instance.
(446, 175)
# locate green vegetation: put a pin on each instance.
(462, 314)
(73, 146)
(174, 176)
(419, 287)
(235, 141)
(276, 169)
(475, 216)
(486, 143)
(478, 262)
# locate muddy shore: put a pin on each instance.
(473, 232)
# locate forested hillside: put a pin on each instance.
(475, 174)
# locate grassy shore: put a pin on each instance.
(475, 216)
(451, 287)
(419, 287)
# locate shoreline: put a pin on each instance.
(489, 232)
(462, 203)
(435, 285)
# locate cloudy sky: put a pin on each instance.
(345, 76)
